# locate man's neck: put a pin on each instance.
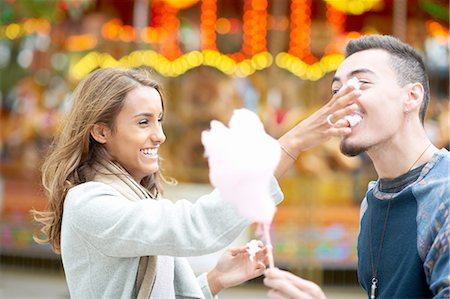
(397, 157)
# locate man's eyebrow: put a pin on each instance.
(361, 71)
(353, 73)
(335, 79)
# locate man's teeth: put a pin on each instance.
(149, 151)
(353, 119)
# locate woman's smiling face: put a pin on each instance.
(138, 133)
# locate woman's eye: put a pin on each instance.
(143, 122)
(334, 91)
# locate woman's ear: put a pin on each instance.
(415, 97)
(100, 133)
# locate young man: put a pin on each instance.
(403, 244)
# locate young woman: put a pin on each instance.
(117, 236)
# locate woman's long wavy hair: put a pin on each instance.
(97, 99)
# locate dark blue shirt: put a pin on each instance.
(400, 269)
(414, 260)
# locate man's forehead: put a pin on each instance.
(367, 61)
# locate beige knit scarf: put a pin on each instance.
(115, 176)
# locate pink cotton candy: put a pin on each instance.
(242, 159)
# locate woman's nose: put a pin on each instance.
(158, 136)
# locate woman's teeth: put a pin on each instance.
(151, 152)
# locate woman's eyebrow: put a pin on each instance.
(145, 114)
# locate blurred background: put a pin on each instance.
(274, 57)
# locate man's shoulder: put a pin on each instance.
(435, 176)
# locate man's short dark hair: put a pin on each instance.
(406, 61)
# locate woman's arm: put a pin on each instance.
(117, 227)
(315, 129)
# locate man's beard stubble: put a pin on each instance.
(351, 150)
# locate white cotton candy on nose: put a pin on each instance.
(353, 119)
(354, 82)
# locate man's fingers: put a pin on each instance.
(279, 278)
(307, 287)
(274, 294)
(284, 288)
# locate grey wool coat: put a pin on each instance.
(103, 235)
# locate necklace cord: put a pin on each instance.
(375, 267)
(375, 270)
(419, 157)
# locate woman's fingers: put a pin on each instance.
(344, 94)
(342, 107)
(260, 267)
(237, 250)
(337, 108)
(339, 132)
(345, 89)
(339, 114)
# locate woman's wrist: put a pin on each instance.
(290, 153)
(286, 151)
(214, 282)
(290, 145)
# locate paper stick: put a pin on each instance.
(268, 244)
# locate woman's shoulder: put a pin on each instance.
(89, 187)
(88, 191)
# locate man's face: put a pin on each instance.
(380, 103)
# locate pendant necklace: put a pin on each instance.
(374, 286)
(375, 268)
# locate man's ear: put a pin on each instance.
(415, 97)
(100, 133)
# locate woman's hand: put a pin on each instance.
(285, 285)
(235, 267)
(315, 129)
